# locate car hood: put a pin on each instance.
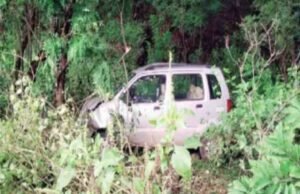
(101, 113)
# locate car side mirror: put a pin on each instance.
(129, 104)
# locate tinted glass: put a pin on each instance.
(188, 87)
(148, 89)
(214, 87)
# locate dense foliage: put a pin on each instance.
(53, 54)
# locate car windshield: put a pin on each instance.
(121, 86)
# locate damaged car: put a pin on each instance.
(201, 89)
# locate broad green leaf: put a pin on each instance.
(97, 168)
(111, 157)
(271, 189)
(181, 162)
(65, 177)
(192, 142)
(295, 172)
(107, 180)
(285, 168)
(156, 189)
(239, 186)
(139, 185)
(149, 168)
(286, 189)
(262, 183)
(279, 189)
(292, 189)
(2, 3)
(297, 184)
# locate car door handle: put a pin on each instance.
(199, 106)
(156, 108)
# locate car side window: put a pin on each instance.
(148, 89)
(214, 87)
(188, 87)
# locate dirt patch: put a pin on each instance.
(207, 183)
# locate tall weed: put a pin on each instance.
(46, 150)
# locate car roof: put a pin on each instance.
(175, 66)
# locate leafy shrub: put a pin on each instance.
(277, 170)
(259, 105)
(260, 133)
(45, 150)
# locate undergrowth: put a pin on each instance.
(47, 150)
(260, 134)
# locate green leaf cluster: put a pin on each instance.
(277, 170)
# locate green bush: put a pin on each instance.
(260, 102)
(261, 134)
(277, 170)
(45, 150)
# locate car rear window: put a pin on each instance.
(214, 87)
(188, 87)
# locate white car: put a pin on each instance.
(199, 88)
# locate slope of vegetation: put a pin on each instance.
(53, 54)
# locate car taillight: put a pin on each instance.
(229, 105)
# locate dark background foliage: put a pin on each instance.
(70, 48)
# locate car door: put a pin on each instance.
(191, 99)
(145, 97)
(217, 97)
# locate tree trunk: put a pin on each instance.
(34, 64)
(60, 80)
(63, 62)
(20, 56)
(28, 26)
